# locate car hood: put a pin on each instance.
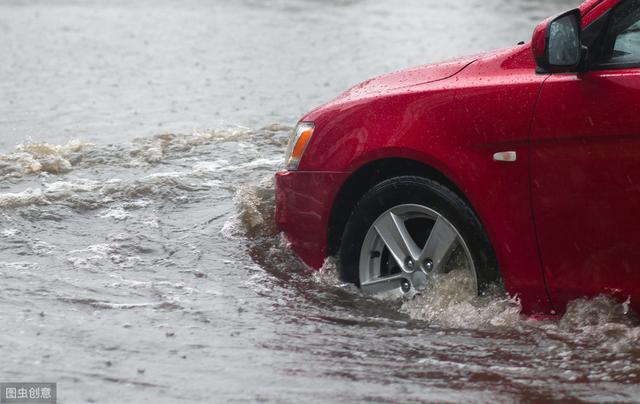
(408, 78)
(418, 79)
(400, 81)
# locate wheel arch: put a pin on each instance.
(365, 178)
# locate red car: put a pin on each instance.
(523, 163)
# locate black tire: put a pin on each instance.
(420, 191)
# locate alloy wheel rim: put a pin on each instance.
(406, 247)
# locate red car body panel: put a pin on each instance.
(586, 183)
(591, 10)
(303, 207)
(453, 117)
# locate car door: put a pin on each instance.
(585, 168)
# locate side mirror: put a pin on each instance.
(557, 43)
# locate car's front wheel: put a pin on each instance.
(406, 231)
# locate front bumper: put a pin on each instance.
(303, 208)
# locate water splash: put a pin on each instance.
(601, 322)
(450, 302)
(32, 158)
(328, 274)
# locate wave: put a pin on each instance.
(32, 158)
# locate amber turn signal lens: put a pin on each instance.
(298, 144)
(301, 144)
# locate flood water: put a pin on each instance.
(138, 255)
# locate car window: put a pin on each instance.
(628, 43)
(620, 44)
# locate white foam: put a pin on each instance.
(450, 302)
(210, 166)
(25, 198)
(34, 158)
(116, 213)
(328, 273)
(97, 191)
(601, 321)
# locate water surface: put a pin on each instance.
(138, 254)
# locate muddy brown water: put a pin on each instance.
(138, 256)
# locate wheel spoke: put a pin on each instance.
(440, 244)
(394, 233)
(382, 285)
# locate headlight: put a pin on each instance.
(298, 144)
